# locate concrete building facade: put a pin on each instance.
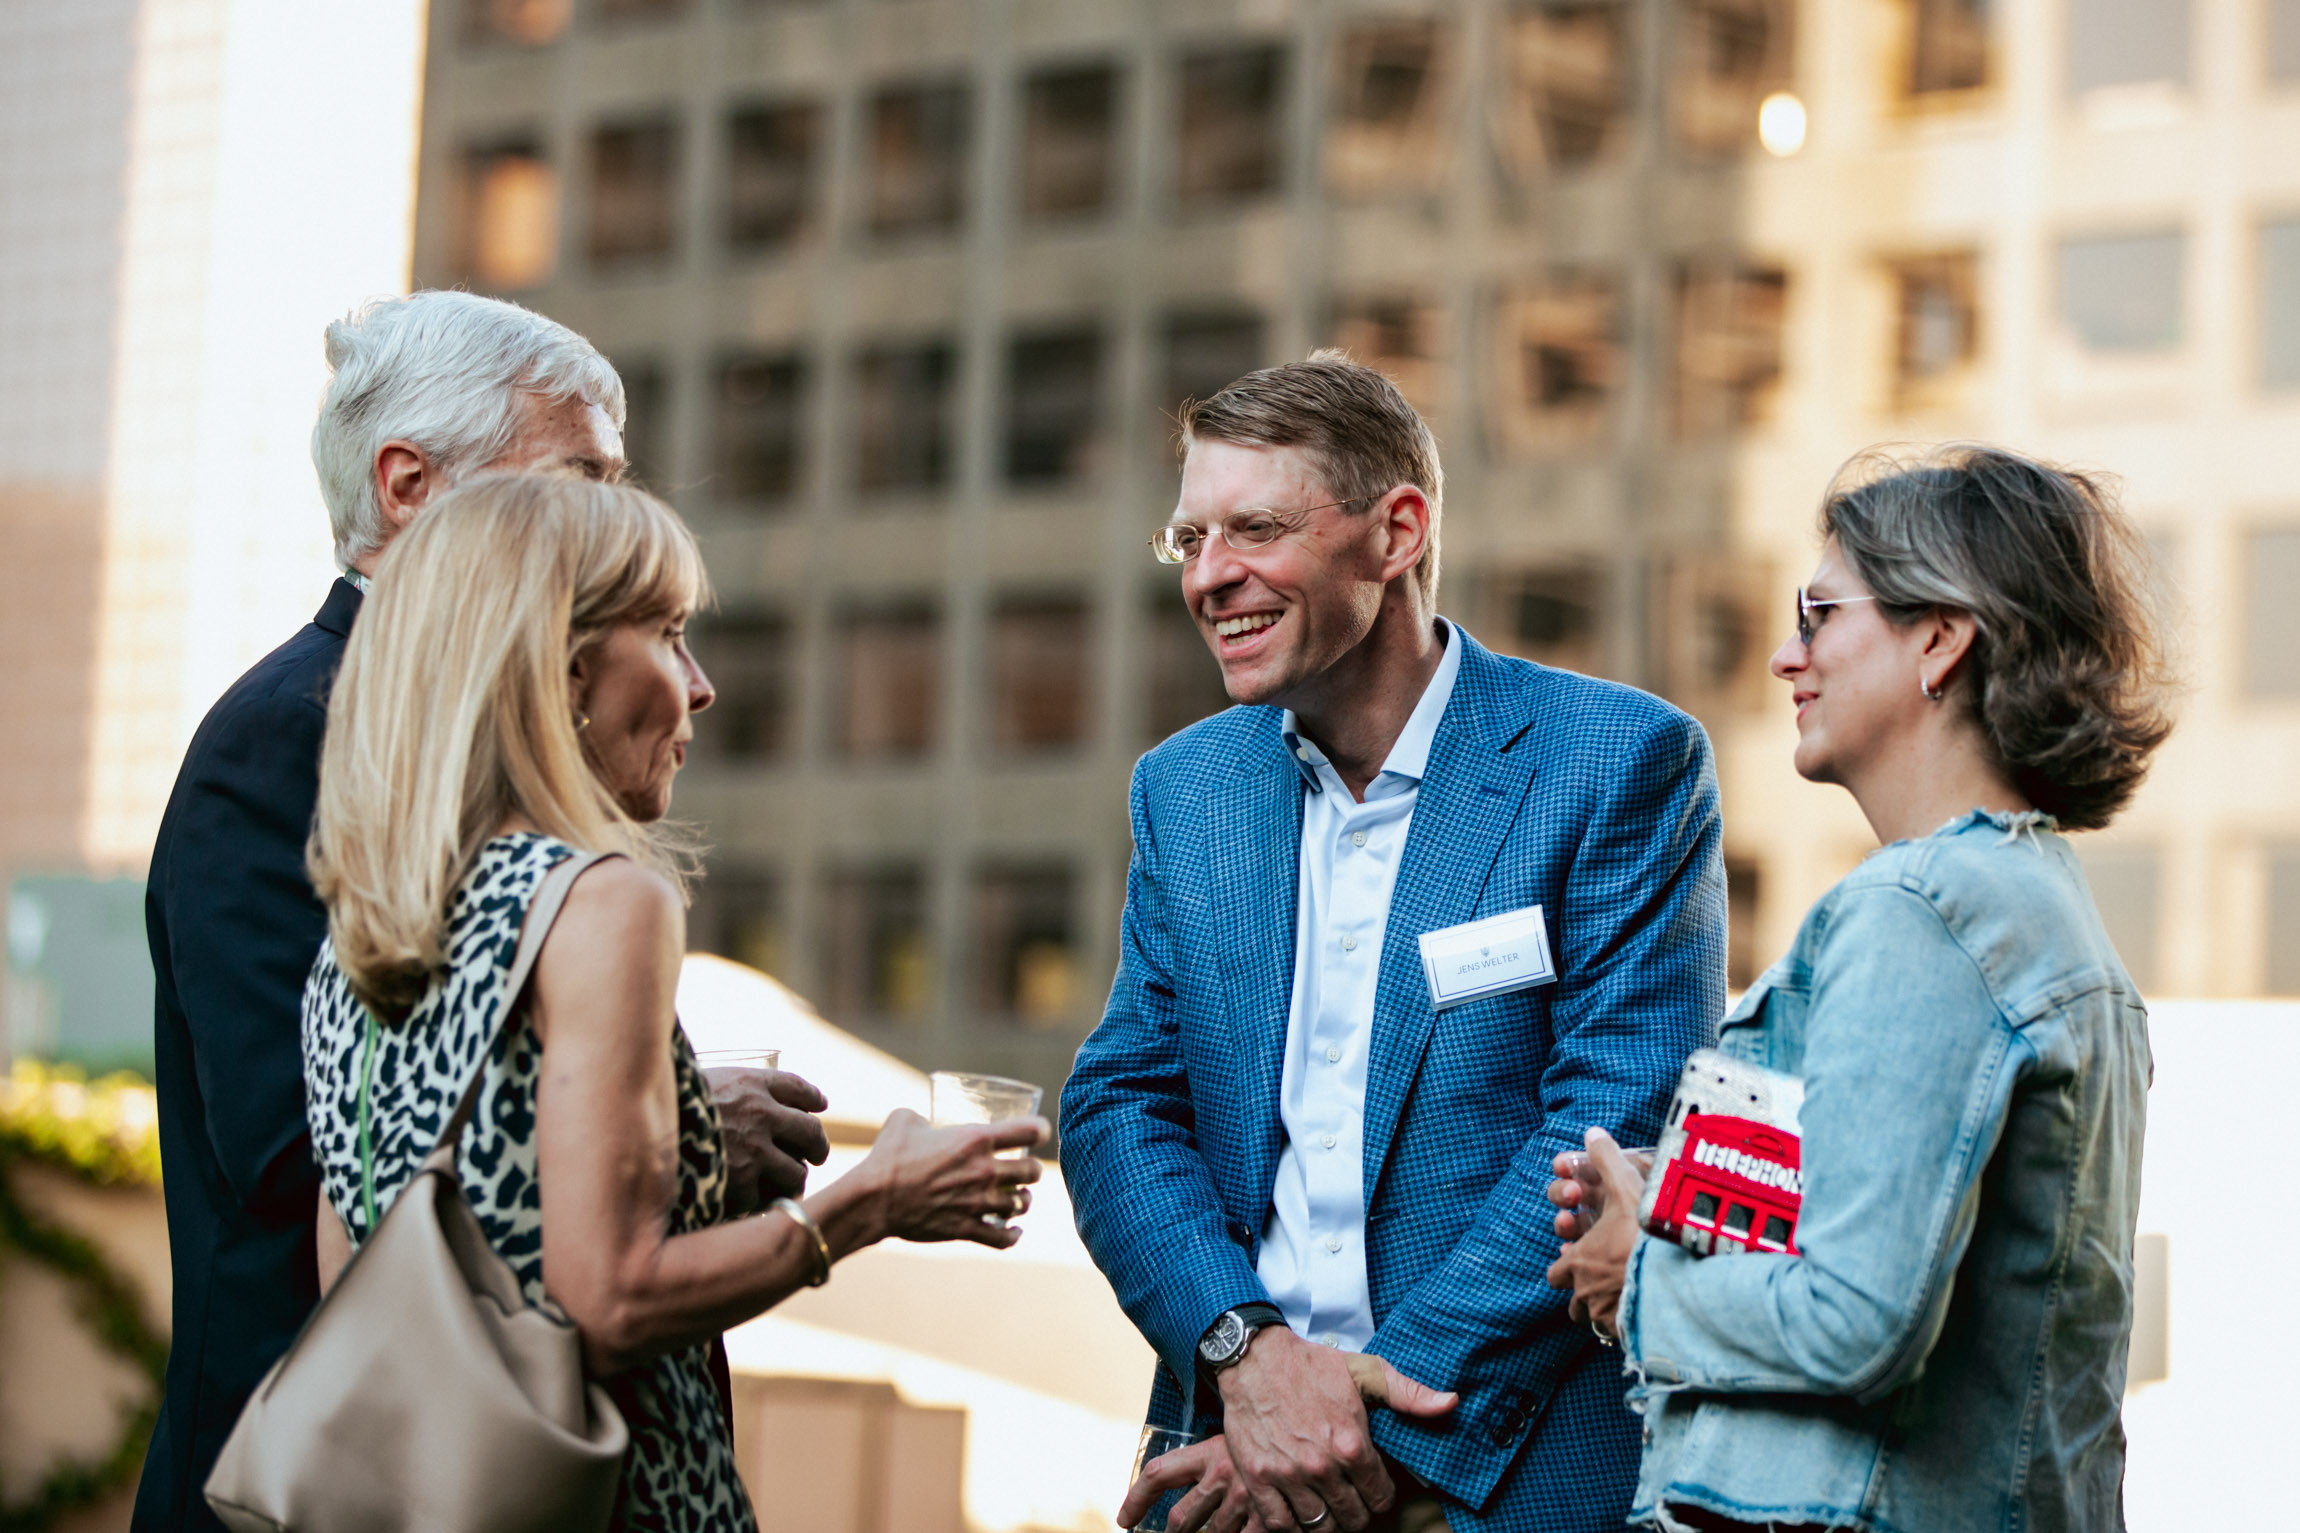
(906, 290)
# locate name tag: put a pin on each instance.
(1489, 957)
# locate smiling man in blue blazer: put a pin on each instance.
(1318, 1116)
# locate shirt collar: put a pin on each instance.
(365, 586)
(1410, 754)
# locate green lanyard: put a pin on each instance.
(366, 1156)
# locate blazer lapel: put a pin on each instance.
(1256, 817)
(1472, 794)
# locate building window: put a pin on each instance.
(1399, 336)
(2283, 41)
(1040, 662)
(748, 656)
(904, 439)
(2284, 920)
(1936, 336)
(1564, 85)
(1026, 942)
(2280, 303)
(530, 22)
(772, 152)
(1387, 130)
(508, 231)
(1228, 124)
(1053, 407)
(1728, 56)
(1557, 363)
(1069, 141)
(1206, 352)
(2126, 888)
(1711, 633)
(2271, 617)
(761, 448)
(1728, 346)
(1948, 46)
(889, 684)
(1182, 681)
(1551, 615)
(2120, 293)
(646, 435)
(877, 959)
(1744, 884)
(634, 190)
(738, 914)
(918, 144)
(2126, 42)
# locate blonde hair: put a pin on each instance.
(451, 712)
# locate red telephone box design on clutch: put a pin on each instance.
(1728, 1176)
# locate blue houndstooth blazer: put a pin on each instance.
(1596, 802)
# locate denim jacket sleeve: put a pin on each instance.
(1909, 1067)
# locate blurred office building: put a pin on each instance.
(189, 191)
(905, 292)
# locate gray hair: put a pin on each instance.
(444, 370)
(2067, 676)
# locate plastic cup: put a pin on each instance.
(959, 1096)
(1157, 1442)
(739, 1059)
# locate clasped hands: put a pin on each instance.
(1596, 1192)
(1296, 1450)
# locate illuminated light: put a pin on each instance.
(1781, 124)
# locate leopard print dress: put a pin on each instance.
(679, 1475)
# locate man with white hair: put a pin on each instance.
(426, 390)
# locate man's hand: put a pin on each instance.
(1217, 1502)
(1595, 1262)
(1296, 1424)
(767, 1118)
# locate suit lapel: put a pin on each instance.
(1471, 796)
(1256, 865)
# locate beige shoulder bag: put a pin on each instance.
(425, 1392)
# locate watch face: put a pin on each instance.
(1228, 1331)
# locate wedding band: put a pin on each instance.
(1323, 1513)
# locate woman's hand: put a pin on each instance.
(1595, 1261)
(952, 1183)
(1579, 1191)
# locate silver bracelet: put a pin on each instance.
(806, 1221)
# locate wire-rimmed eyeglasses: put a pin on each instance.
(1247, 527)
(1806, 607)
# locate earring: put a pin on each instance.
(1932, 695)
(582, 721)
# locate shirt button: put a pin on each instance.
(1333, 1054)
(1357, 838)
(1329, 1339)
(1328, 1140)
(1333, 1242)
(1349, 944)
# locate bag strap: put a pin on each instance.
(541, 912)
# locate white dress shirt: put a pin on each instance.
(1313, 1259)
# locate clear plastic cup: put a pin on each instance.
(739, 1059)
(959, 1096)
(1157, 1442)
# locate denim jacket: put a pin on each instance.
(1947, 1351)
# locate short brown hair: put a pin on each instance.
(2070, 683)
(1363, 438)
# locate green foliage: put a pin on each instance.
(105, 1132)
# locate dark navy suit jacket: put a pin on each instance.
(234, 926)
(1597, 803)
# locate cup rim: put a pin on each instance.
(977, 1078)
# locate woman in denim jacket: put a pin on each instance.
(1975, 662)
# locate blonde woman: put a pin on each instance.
(518, 689)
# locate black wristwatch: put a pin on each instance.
(1226, 1340)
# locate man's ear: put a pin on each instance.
(1405, 514)
(405, 481)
